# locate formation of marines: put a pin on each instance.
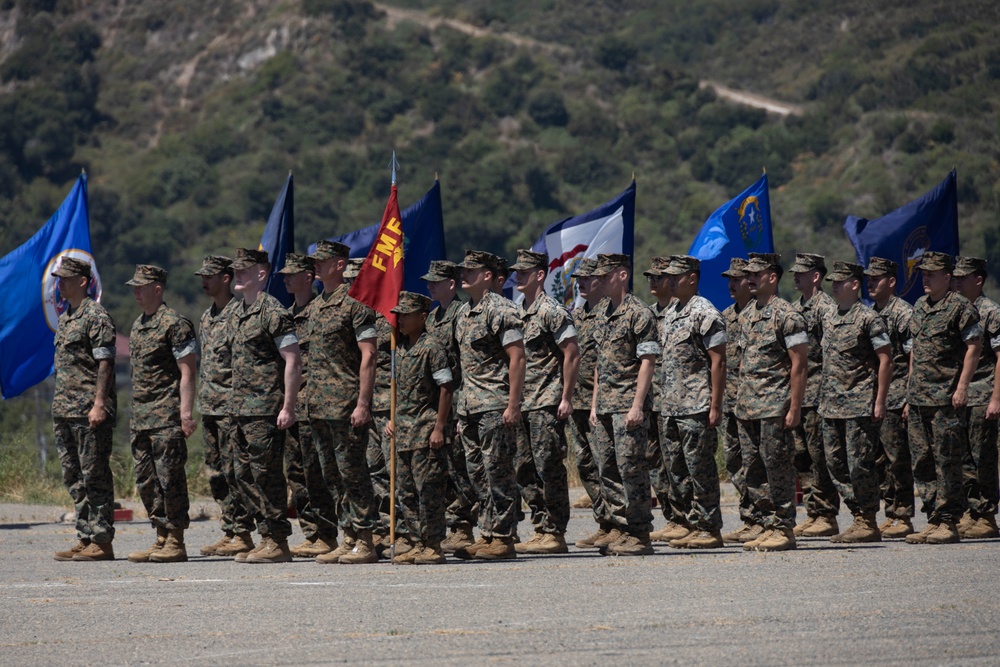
(864, 405)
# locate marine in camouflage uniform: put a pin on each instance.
(267, 371)
(819, 494)
(626, 357)
(552, 363)
(315, 502)
(84, 411)
(979, 467)
(857, 370)
(342, 340)
(947, 339)
(774, 344)
(424, 388)
(894, 466)
(162, 348)
(693, 360)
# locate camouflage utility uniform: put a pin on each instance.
(979, 467)
(585, 322)
(730, 425)
(672, 502)
(377, 452)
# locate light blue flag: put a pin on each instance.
(740, 226)
(30, 299)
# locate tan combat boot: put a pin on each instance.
(921, 537)
(333, 557)
(241, 545)
(143, 556)
(523, 547)
(271, 551)
(797, 531)
(314, 547)
(614, 535)
(432, 554)
(745, 533)
(985, 528)
(460, 538)
(703, 539)
(966, 522)
(363, 551)
(172, 551)
(95, 551)
(780, 539)
(945, 533)
(469, 552)
(72, 551)
(765, 534)
(499, 548)
(549, 543)
(413, 549)
(213, 548)
(671, 531)
(901, 527)
(404, 545)
(822, 526)
(862, 530)
(589, 542)
(632, 545)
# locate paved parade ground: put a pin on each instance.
(888, 603)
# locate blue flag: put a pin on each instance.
(928, 223)
(278, 239)
(740, 226)
(423, 239)
(30, 299)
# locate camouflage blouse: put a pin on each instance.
(850, 365)
(547, 324)
(689, 332)
(940, 333)
(86, 336)
(156, 343)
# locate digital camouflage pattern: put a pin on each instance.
(84, 455)
(896, 316)
(895, 469)
(850, 363)
(258, 452)
(300, 318)
(940, 333)
(814, 311)
(422, 369)
(981, 387)
(341, 449)
(489, 451)
(441, 326)
(979, 465)
(819, 495)
(546, 326)
(586, 321)
(215, 372)
(255, 333)
(852, 449)
(766, 333)
(621, 461)
(734, 354)
(377, 457)
(85, 336)
(383, 364)
(689, 332)
(160, 455)
(770, 473)
(690, 446)
(938, 441)
(547, 438)
(624, 336)
(315, 506)
(481, 332)
(422, 476)
(216, 432)
(156, 343)
(578, 437)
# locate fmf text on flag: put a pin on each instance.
(279, 239)
(927, 223)
(740, 226)
(30, 300)
(380, 278)
(609, 228)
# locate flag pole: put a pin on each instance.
(392, 416)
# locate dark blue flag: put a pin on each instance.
(423, 239)
(740, 226)
(279, 239)
(30, 299)
(928, 223)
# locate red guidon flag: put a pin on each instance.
(381, 276)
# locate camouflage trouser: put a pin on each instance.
(734, 465)
(489, 453)
(314, 505)
(819, 495)
(377, 457)
(258, 450)
(938, 441)
(526, 475)
(548, 448)
(894, 468)
(85, 455)
(463, 506)
(421, 477)
(979, 467)
(672, 503)
(160, 478)
(215, 431)
(342, 449)
(579, 438)
(852, 448)
(689, 446)
(769, 467)
(621, 462)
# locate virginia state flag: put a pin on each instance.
(279, 239)
(608, 228)
(380, 278)
(928, 223)
(740, 226)
(423, 238)
(30, 299)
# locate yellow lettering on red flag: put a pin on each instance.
(394, 225)
(378, 263)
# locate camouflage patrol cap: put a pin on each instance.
(607, 262)
(932, 260)
(737, 268)
(247, 257)
(70, 267)
(529, 259)
(658, 266)
(411, 302)
(480, 259)
(296, 263)
(584, 268)
(330, 249)
(805, 261)
(845, 271)
(353, 268)
(681, 264)
(147, 274)
(502, 268)
(880, 266)
(762, 261)
(214, 265)
(965, 266)
(442, 269)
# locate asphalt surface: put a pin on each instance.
(823, 604)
